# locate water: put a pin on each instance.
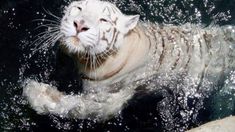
(164, 110)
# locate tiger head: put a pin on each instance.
(94, 27)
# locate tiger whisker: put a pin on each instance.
(51, 14)
(86, 53)
(44, 37)
(47, 32)
(53, 26)
(38, 39)
(47, 20)
(47, 43)
(91, 64)
(94, 61)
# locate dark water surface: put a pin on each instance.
(17, 29)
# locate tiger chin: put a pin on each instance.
(114, 51)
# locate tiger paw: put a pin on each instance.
(42, 97)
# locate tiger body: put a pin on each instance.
(199, 52)
(120, 55)
(190, 48)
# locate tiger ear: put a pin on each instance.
(129, 23)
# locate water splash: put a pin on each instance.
(15, 113)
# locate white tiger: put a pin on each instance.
(117, 53)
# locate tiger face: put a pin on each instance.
(94, 27)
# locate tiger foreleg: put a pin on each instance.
(46, 99)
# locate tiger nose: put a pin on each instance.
(80, 26)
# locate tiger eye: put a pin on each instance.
(75, 11)
(103, 20)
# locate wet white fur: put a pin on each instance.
(100, 105)
(222, 125)
(99, 100)
(92, 12)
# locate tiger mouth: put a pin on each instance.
(75, 40)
